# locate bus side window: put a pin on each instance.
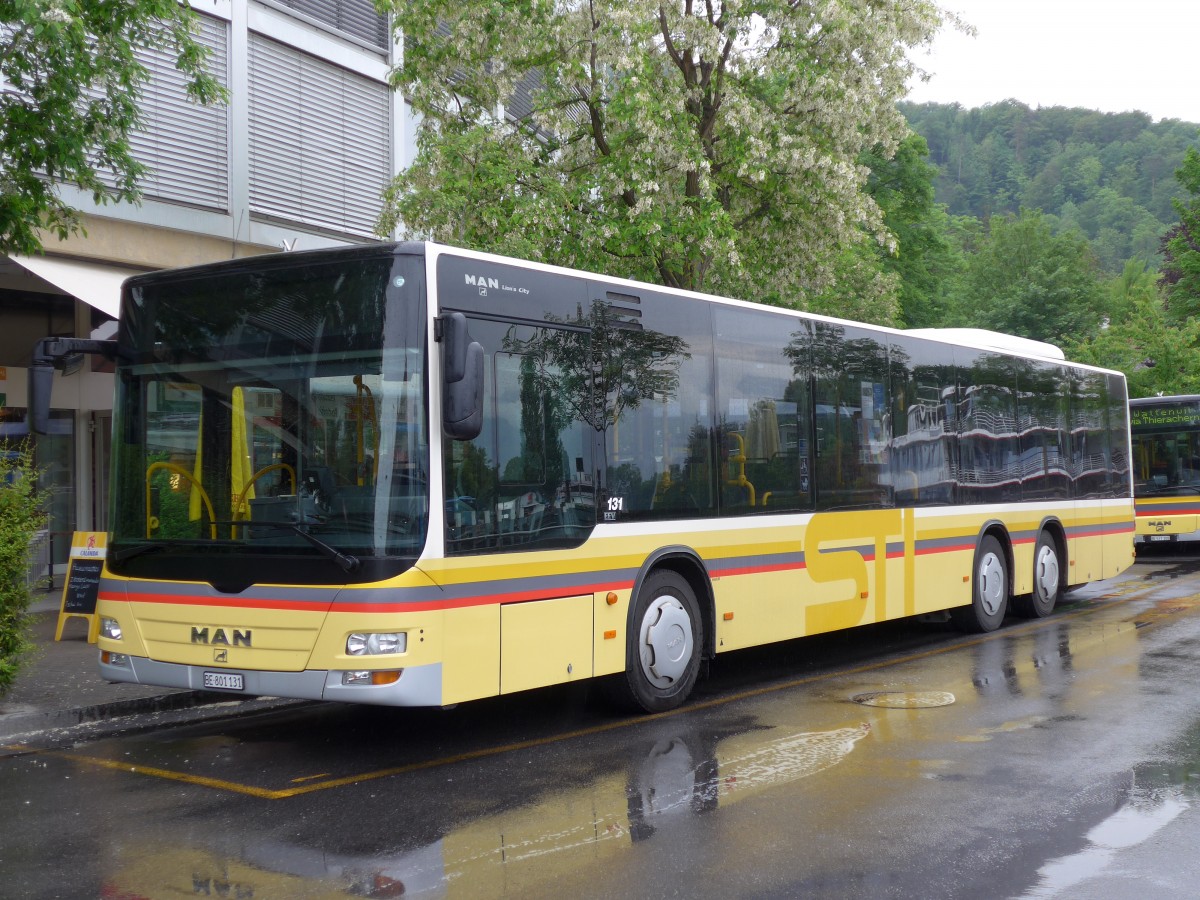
(525, 480)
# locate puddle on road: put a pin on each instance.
(1133, 824)
(518, 850)
(1157, 794)
(786, 758)
(1164, 609)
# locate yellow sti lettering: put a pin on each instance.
(848, 565)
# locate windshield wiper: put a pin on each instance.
(347, 561)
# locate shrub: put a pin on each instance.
(22, 515)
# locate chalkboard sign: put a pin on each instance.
(83, 584)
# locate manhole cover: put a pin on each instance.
(905, 699)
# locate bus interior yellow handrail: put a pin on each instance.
(740, 461)
(241, 496)
(196, 486)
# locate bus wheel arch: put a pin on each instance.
(991, 584)
(669, 633)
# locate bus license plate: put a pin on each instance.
(224, 681)
(1160, 537)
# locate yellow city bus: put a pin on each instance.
(415, 475)
(1166, 464)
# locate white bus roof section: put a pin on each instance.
(991, 340)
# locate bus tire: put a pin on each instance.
(989, 590)
(663, 649)
(1047, 581)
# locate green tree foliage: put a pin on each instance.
(21, 516)
(72, 89)
(1026, 280)
(709, 146)
(1157, 354)
(924, 259)
(1181, 245)
(1107, 175)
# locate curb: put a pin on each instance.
(48, 729)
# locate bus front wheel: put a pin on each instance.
(989, 590)
(664, 645)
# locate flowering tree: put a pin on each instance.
(707, 145)
(69, 92)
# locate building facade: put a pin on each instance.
(297, 159)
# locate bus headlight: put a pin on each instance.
(376, 644)
(110, 628)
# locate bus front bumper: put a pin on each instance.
(416, 686)
(1152, 529)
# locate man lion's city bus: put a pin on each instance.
(414, 475)
(1166, 466)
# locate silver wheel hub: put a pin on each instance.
(991, 584)
(1045, 573)
(665, 641)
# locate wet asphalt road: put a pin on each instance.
(1055, 758)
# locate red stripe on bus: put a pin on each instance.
(488, 600)
(1101, 532)
(757, 570)
(328, 606)
(186, 600)
(952, 548)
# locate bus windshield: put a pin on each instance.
(272, 419)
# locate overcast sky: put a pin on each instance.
(1110, 55)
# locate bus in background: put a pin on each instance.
(1166, 465)
(414, 475)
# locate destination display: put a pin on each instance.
(1159, 416)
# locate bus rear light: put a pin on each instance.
(375, 678)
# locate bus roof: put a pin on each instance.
(992, 340)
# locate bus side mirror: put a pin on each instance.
(462, 380)
(52, 353)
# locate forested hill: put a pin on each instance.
(1111, 175)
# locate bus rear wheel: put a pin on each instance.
(666, 637)
(1047, 574)
(989, 590)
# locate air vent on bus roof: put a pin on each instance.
(621, 309)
